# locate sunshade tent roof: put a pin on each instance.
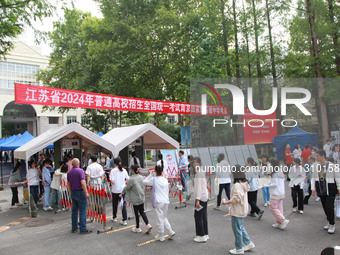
(90, 140)
(153, 137)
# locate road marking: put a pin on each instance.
(116, 230)
(226, 215)
(150, 241)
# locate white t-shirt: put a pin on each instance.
(95, 171)
(327, 149)
(223, 172)
(297, 153)
(119, 178)
(33, 176)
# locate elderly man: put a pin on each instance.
(79, 194)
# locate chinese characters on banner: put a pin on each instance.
(259, 129)
(30, 94)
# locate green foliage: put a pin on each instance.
(14, 14)
(171, 130)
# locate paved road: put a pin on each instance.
(304, 234)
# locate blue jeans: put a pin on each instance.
(241, 236)
(55, 195)
(46, 195)
(183, 178)
(34, 190)
(266, 194)
(79, 203)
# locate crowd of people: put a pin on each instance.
(309, 171)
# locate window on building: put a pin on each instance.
(16, 72)
(85, 121)
(53, 120)
(71, 119)
(171, 119)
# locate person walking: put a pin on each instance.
(297, 177)
(118, 178)
(55, 186)
(265, 176)
(252, 178)
(160, 187)
(277, 194)
(288, 159)
(305, 154)
(33, 180)
(134, 192)
(183, 168)
(201, 203)
(223, 175)
(328, 182)
(297, 151)
(134, 160)
(327, 148)
(79, 194)
(238, 211)
(14, 178)
(335, 154)
(46, 175)
(94, 172)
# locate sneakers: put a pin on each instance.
(251, 214)
(260, 214)
(200, 239)
(217, 208)
(234, 251)
(275, 225)
(74, 230)
(301, 212)
(123, 222)
(326, 227)
(148, 228)
(47, 208)
(207, 237)
(136, 230)
(248, 247)
(114, 220)
(295, 209)
(171, 234)
(331, 229)
(160, 238)
(265, 204)
(85, 232)
(284, 224)
(317, 199)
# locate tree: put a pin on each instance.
(15, 14)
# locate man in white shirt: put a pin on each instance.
(327, 148)
(94, 172)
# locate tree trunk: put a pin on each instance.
(318, 72)
(272, 60)
(225, 37)
(334, 36)
(237, 65)
(258, 65)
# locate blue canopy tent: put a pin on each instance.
(100, 134)
(293, 137)
(7, 139)
(17, 141)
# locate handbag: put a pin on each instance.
(153, 192)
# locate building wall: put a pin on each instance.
(23, 57)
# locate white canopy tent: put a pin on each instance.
(91, 141)
(153, 137)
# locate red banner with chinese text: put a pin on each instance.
(259, 129)
(31, 94)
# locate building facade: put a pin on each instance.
(21, 65)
